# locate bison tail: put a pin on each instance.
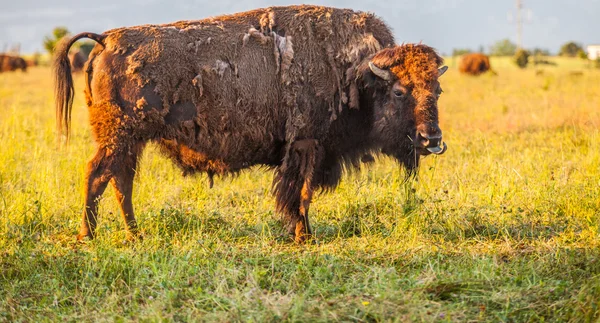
(63, 81)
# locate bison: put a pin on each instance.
(77, 60)
(31, 63)
(474, 64)
(10, 63)
(305, 90)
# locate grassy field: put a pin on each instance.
(503, 227)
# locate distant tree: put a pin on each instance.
(460, 51)
(582, 54)
(539, 56)
(570, 49)
(540, 52)
(57, 34)
(521, 58)
(503, 47)
(597, 62)
(86, 47)
(481, 49)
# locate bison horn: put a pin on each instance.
(442, 70)
(379, 72)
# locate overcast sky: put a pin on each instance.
(443, 24)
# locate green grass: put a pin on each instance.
(503, 227)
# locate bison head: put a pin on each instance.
(403, 82)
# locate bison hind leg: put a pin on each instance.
(97, 175)
(119, 169)
(122, 181)
(115, 161)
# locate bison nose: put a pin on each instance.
(427, 140)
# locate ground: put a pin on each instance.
(503, 227)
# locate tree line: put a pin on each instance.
(505, 47)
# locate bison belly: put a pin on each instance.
(219, 140)
(191, 160)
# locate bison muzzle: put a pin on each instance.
(306, 90)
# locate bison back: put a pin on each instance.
(234, 87)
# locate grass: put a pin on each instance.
(503, 227)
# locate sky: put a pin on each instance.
(443, 24)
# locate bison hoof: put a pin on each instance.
(82, 237)
(304, 239)
(302, 234)
(133, 236)
(307, 239)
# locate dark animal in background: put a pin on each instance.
(77, 60)
(306, 90)
(474, 64)
(34, 60)
(9, 63)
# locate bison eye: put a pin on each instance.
(399, 90)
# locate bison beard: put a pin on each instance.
(292, 88)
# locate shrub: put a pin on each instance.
(460, 51)
(57, 34)
(582, 54)
(570, 49)
(521, 58)
(503, 47)
(86, 47)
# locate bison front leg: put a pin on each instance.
(294, 188)
(302, 230)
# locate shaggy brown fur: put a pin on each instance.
(291, 88)
(474, 64)
(77, 60)
(10, 63)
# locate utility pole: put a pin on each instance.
(519, 25)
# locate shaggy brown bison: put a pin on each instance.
(305, 90)
(10, 63)
(77, 60)
(474, 64)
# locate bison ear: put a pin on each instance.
(442, 70)
(380, 72)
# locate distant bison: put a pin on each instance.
(77, 60)
(10, 63)
(31, 62)
(474, 64)
(306, 90)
